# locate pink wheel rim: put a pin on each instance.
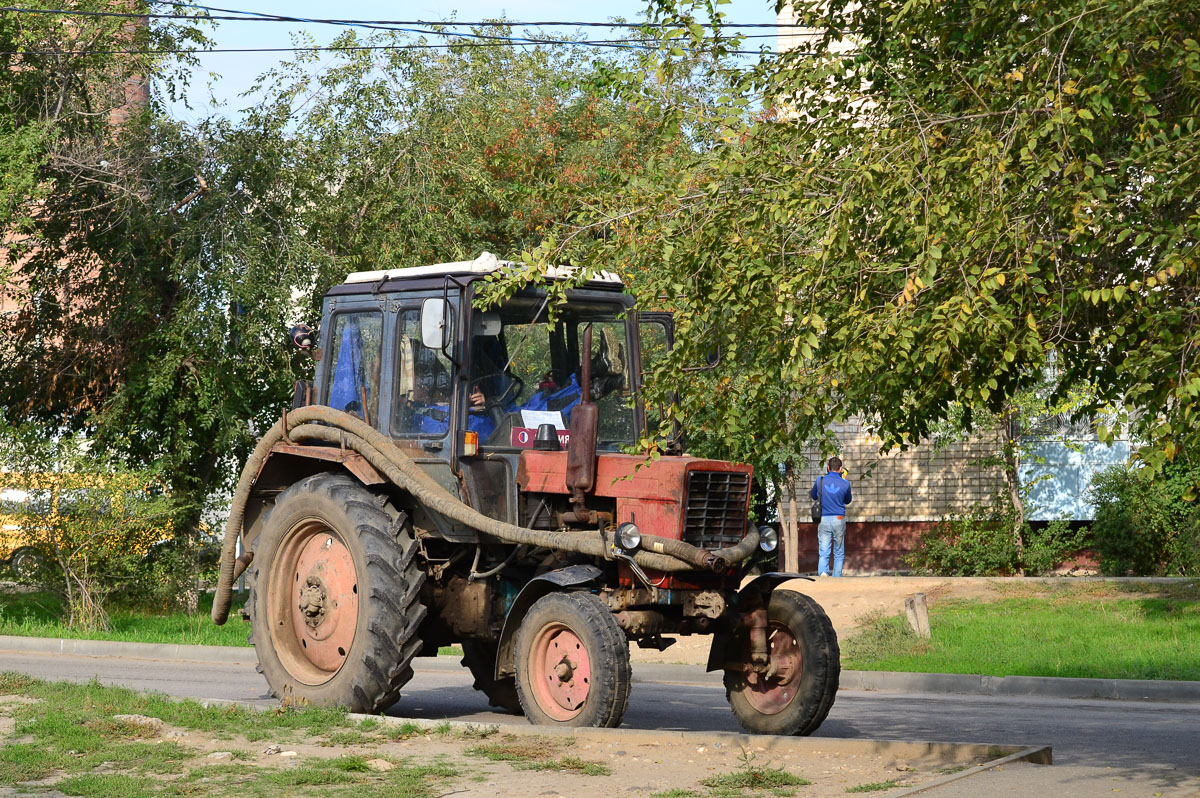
(561, 672)
(772, 692)
(313, 602)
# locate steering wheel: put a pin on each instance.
(494, 405)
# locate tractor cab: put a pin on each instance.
(468, 390)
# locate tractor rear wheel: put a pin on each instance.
(479, 656)
(335, 603)
(796, 694)
(572, 663)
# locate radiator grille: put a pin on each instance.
(715, 513)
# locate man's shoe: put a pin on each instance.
(822, 574)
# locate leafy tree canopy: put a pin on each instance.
(914, 209)
(157, 267)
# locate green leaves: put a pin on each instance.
(960, 202)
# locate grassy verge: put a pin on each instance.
(37, 615)
(1093, 634)
(77, 740)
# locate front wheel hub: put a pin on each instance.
(772, 691)
(561, 672)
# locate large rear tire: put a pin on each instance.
(806, 664)
(572, 663)
(479, 656)
(335, 597)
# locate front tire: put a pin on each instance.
(572, 663)
(335, 602)
(806, 664)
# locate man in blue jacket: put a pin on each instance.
(834, 492)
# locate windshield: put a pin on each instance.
(525, 372)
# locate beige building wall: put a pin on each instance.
(924, 483)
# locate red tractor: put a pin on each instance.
(453, 475)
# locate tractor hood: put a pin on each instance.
(704, 502)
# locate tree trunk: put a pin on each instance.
(1012, 479)
(789, 521)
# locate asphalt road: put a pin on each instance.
(1094, 734)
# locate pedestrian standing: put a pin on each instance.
(833, 489)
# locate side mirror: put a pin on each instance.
(301, 336)
(437, 326)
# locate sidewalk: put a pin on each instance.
(646, 672)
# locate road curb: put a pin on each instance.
(1022, 686)
(650, 673)
(231, 655)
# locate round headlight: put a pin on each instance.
(628, 536)
(768, 538)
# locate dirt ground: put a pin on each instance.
(848, 599)
(491, 760)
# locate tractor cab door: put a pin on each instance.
(349, 373)
(657, 334)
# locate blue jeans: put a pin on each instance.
(831, 531)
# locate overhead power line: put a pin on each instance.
(481, 39)
(473, 40)
(235, 15)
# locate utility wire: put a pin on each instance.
(356, 48)
(383, 25)
(252, 16)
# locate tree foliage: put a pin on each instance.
(154, 265)
(931, 199)
(1146, 530)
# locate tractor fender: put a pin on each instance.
(573, 576)
(756, 593)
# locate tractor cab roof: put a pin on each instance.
(484, 265)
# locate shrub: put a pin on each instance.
(1049, 546)
(979, 543)
(91, 518)
(1144, 527)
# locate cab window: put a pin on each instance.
(354, 364)
(422, 395)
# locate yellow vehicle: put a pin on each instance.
(42, 512)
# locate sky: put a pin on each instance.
(227, 75)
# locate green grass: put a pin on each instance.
(81, 720)
(38, 614)
(877, 786)
(68, 732)
(754, 777)
(1089, 634)
(537, 753)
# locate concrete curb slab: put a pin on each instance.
(232, 655)
(1022, 686)
(876, 681)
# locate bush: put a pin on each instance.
(169, 572)
(1146, 528)
(979, 543)
(91, 518)
(1048, 547)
